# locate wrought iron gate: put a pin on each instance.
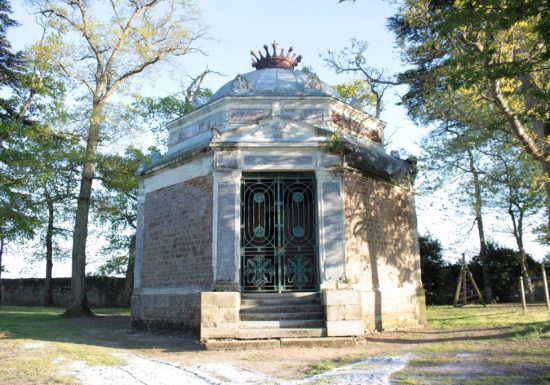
(278, 242)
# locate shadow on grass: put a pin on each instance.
(525, 331)
(107, 328)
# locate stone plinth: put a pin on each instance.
(343, 313)
(219, 314)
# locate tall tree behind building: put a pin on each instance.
(102, 45)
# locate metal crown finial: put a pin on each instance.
(275, 60)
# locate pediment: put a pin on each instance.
(273, 129)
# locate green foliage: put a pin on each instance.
(10, 62)
(491, 54)
(116, 205)
(155, 112)
(357, 93)
(370, 84)
(505, 268)
(437, 274)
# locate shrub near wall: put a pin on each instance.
(101, 291)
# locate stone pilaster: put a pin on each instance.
(332, 234)
(226, 229)
(136, 301)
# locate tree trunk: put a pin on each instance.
(480, 229)
(541, 128)
(79, 303)
(48, 298)
(517, 224)
(1, 254)
(129, 279)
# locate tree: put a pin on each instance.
(494, 51)
(371, 83)
(117, 210)
(103, 54)
(155, 112)
(10, 62)
(514, 191)
(435, 271)
(450, 157)
(505, 270)
(358, 94)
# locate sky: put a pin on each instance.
(312, 27)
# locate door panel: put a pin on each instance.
(278, 243)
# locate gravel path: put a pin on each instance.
(146, 371)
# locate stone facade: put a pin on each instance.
(382, 252)
(176, 260)
(188, 245)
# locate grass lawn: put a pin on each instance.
(471, 345)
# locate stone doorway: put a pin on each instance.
(278, 232)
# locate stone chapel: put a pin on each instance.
(276, 213)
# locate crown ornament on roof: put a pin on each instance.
(287, 60)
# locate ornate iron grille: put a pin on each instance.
(278, 244)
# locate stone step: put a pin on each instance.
(282, 309)
(298, 295)
(248, 334)
(305, 342)
(283, 324)
(313, 316)
(247, 303)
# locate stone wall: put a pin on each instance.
(382, 252)
(101, 292)
(176, 261)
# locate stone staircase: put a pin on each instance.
(281, 315)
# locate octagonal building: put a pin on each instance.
(277, 213)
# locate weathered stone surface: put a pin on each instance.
(220, 299)
(241, 344)
(345, 328)
(226, 228)
(219, 314)
(382, 250)
(353, 312)
(225, 330)
(341, 297)
(335, 312)
(324, 342)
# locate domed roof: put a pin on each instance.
(275, 82)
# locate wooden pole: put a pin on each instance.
(546, 296)
(458, 286)
(523, 303)
(464, 289)
(475, 287)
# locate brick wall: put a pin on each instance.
(177, 255)
(177, 239)
(382, 254)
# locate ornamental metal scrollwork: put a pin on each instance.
(259, 197)
(298, 197)
(298, 231)
(299, 270)
(259, 231)
(259, 271)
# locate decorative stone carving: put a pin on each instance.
(248, 115)
(195, 129)
(277, 108)
(279, 127)
(241, 85)
(313, 115)
(312, 82)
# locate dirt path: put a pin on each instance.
(146, 371)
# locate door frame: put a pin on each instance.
(281, 260)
